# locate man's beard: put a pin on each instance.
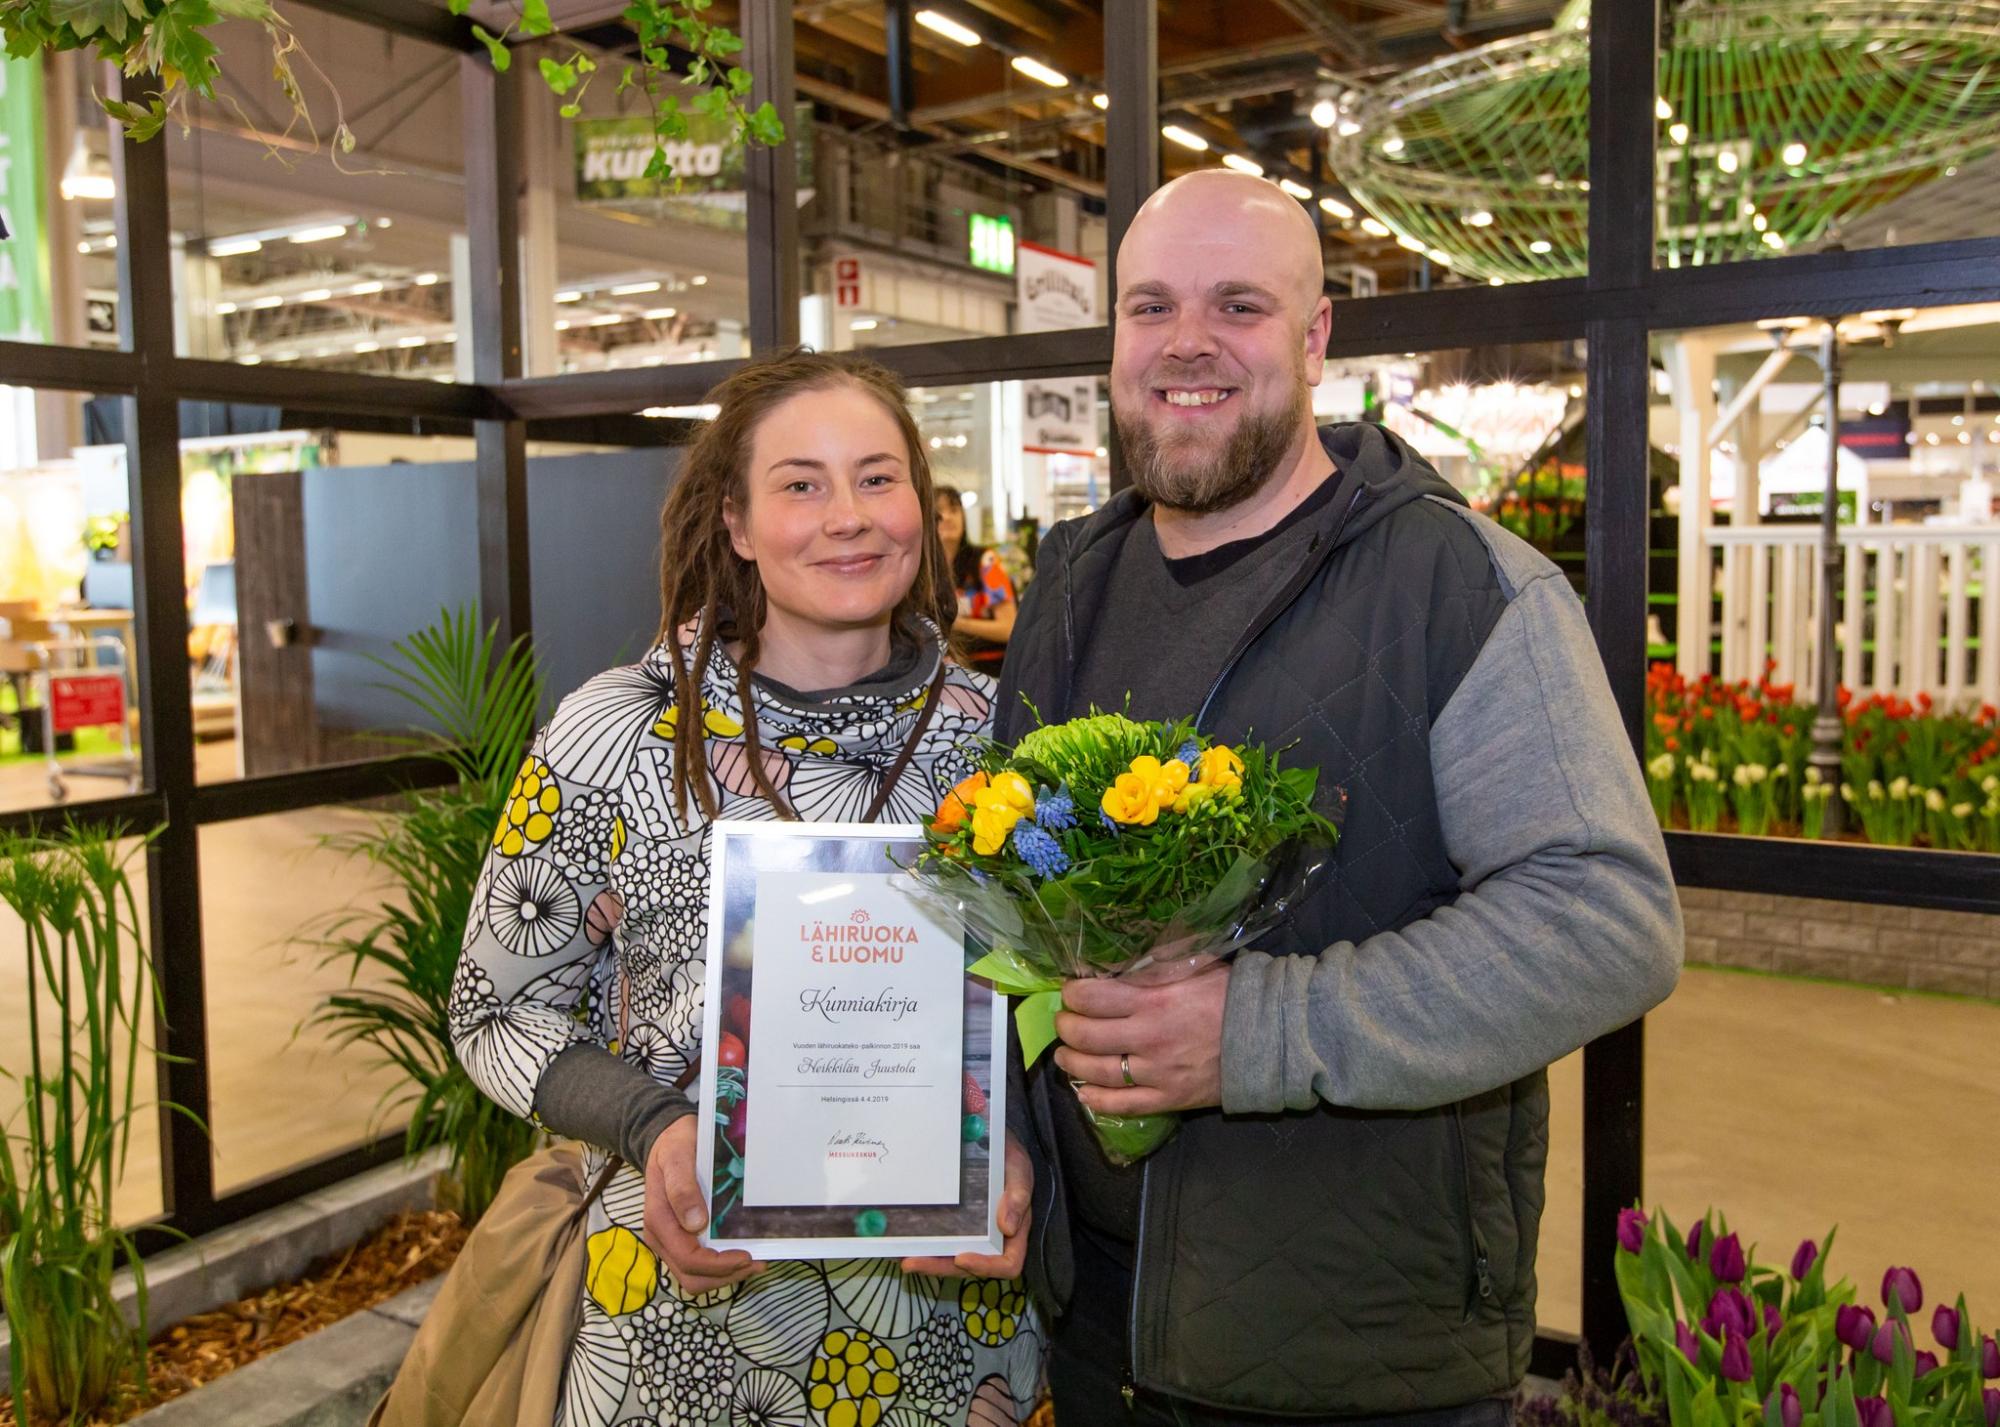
(1180, 476)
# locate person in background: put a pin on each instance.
(986, 601)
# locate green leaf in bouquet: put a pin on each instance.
(1035, 1017)
(1010, 972)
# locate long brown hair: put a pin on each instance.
(703, 579)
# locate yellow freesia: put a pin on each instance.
(1165, 779)
(1221, 768)
(1012, 790)
(991, 822)
(1131, 801)
(1193, 796)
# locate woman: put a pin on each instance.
(986, 603)
(799, 642)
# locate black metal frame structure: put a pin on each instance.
(1616, 308)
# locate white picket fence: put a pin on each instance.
(1925, 596)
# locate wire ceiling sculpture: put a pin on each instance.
(1778, 120)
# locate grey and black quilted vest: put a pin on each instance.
(1329, 1262)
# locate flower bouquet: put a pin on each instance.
(1109, 847)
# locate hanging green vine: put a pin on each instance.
(169, 38)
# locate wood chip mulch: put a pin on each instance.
(410, 1248)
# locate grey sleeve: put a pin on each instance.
(589, 1094)
(1567, 925)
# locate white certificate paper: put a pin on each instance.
(857, 1043)
(850, 1088)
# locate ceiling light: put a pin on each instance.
(1541, 245)
(1965, 438)
(1496, 282)
(1392, 145)
(1774, 240)
(1726, 161)
(571, 296)
(609, 319)
(318, 294)
(409, 341)
(699, 279)
(1039, 72)
(1876, 408)
(1324, 114)
(944, 25)
(1662, 109)
(284, 356)
(234, 247)
(1348, 128)
(1759, 222)
(1958, 421)
(633, 289)
(250, 361)
(364, 289)
(1243, 165)
(320, 234)
(1575, 390)
(424, 279)
(1478, 218)
(1297, 190)
(1441, 257)
(360, 347)
(1102, 101)
(658, 314)
(1336, 208)
(264, 303)
(89, 185)
(562, 324)
(1375, 226)
(1415, 245)
(223, 309)
(1184, 138)
(863, 324)
(1678, 133)
(1795, 154)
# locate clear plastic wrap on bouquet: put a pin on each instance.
(1035, 934)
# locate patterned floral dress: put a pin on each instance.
(591, 832)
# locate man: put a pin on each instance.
(1345, 1226)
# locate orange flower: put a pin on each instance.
(957, 804)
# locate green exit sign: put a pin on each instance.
(993, 243)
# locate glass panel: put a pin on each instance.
(58, 273)
(136, 1194)
(271, 887)
(291, 258)
(1429, 158)
(1735, 591)
(935, 234)
(1783, 132)
(69, 720)
(1867, 1099)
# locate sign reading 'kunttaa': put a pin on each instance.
(1055, 290)
(612, 156)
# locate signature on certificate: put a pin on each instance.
(852, 1144)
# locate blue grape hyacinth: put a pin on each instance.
(1042, 853)
(1057, 811)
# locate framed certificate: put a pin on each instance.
(848, 1088)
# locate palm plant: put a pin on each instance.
(88, 979)
(478, 705)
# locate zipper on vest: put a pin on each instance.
(1482, 1266)
(1126, 1384)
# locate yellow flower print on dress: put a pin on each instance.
(621, 1273)
(992, 1309)
(854, 1380)
(532, 804)
(819, 747)
(713, 722)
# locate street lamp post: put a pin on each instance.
(1828, 728)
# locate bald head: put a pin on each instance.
(1248, 223)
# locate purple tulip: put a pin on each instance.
(1631, 1230)
(1690, 1345)
(1944, 1327)
(1694, 1243)
(1854, 1326)
(1904, 1285)
(1926, 1362)
(1991, 1396)
(1725, 1259)
(1791, 1412)
(1774, 1322)
(1806, 1256)
(1736, 1359)
(1886, 1338)
(1875, 1412)
(1731, 1308)
(1989, 1359)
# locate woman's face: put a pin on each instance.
(950, 520)
(832, 518)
